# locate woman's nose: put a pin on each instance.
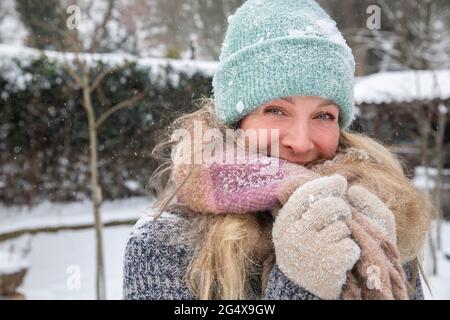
(297, 139)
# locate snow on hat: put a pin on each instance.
(279, 48)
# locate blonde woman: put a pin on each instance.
(334, 217)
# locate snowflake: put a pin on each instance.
(240, 106)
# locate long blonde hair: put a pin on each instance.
(232, 251)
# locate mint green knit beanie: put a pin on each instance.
(279, 48)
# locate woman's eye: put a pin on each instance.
(326, 116)
(274, 110)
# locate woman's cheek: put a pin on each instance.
(327, 139)
(262, 133)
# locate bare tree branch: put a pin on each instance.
(73, 73)
(100, 30)
(124, 104)
(98, 79)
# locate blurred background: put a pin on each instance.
(87, 86)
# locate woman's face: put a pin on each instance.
(308, 127)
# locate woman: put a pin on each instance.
(338, 220)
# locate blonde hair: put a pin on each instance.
(231, 251)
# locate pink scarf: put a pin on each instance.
(261, 184)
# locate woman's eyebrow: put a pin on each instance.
(326, 103)
(321, 105)
(288, 99)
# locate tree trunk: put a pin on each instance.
(439, 145)
(423, 118)
(96, 192)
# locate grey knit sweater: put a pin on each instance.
(155, 266)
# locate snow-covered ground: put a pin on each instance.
(48, 214)
(440, 284)
(62, 265)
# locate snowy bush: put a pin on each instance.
(43, 127)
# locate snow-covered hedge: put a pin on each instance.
(43, 127)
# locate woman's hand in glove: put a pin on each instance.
(374, 209)
(312, 242)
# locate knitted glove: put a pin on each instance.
(378, 274)
(374, 209)
(312, 244)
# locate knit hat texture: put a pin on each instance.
(279, 48)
